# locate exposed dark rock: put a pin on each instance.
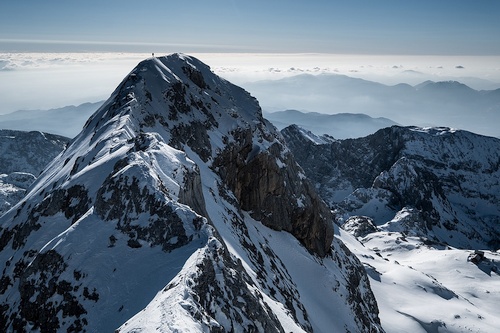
(193, 135)
(429, 173)
(476, 257)
(191, 193)
(242, 307)
(359, 226)
(44, 294)
(274, 193)
(344, 164)
(94, 296)
(195, 76)
(122, 199)
(360, 296)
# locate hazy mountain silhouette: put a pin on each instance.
(447, 103)
(67, 121)
(340, 125)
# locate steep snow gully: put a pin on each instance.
(178, 208)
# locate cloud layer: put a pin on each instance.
(50, 80)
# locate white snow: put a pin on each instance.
(418, 288)
(436, 286)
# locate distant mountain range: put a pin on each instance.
(67, 121)
(447, 103)
(339, 126)
(338, 105)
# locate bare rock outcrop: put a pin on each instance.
(269, 185)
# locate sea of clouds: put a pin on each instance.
(51, 80)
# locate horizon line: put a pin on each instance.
(206, 48)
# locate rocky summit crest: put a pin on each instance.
(169, 208)
(193, 109)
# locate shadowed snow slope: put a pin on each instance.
(178, 208)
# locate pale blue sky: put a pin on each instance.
(442, 27)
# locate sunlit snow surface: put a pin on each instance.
(422, 274)
(424, 288)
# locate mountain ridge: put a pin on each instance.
(438, 171)
(23, 155)
(153, 207)
(419, 207)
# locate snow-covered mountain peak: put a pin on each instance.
(179, 97)
(177, 198)
(451, 148)
(447, 178)
(308, 135)
(215, 122)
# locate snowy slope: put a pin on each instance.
(414, 205)
(422, 287)
(178, 208)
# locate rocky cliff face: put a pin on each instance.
(445, 179)
(268, 184)
(23, 155)
(28, 152)
(420, 209)
(178, 207)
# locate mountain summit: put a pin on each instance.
(178, 208)
(180, 99)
